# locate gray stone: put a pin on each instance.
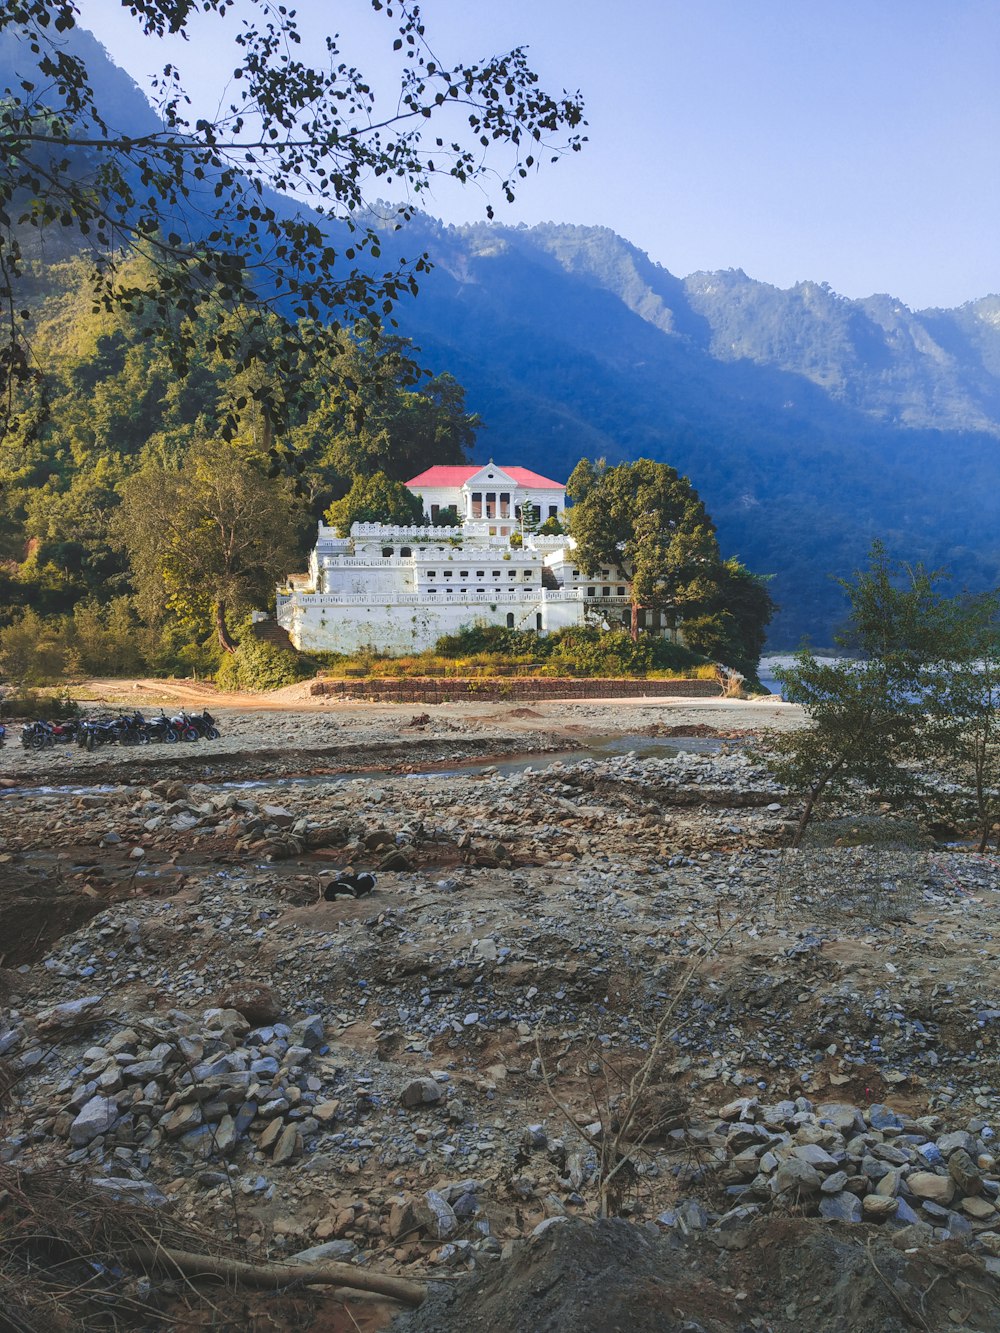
(182, 1120)
(336, 1251)
(738, 1217)
(835, 1182)
(841, 1207)
(96, 1117)
(883, 1117)
(61, 1015)
(877, 1207)
(8, 1040)
(795, 1177)
(927, 1185)
(443, 1220)
(815, 1156)
(226, 1136)
(844, 1117)
(422, 1092)
(134, 1191)
(888, 1186)
(888, 1152)
(949, 1143)
(309, 1032)
(964, 1172)
(906, 1216)
(691, 1216)
(288, 1147)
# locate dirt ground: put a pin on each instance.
(600, 715)
(546, 876)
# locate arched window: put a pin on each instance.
(510, 619)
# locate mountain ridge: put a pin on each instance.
(810, 422)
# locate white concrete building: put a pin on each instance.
(491, 494)
(399, 589)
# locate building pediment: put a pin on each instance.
(491, 477)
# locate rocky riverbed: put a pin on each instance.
(581, 979)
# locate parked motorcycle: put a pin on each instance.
(40, 735)
(160, 730)
(204, 725)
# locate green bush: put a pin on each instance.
(30, 705)
(475, 639)
(258, 666)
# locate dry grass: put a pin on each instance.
(65, 1252)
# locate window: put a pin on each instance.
(576, 573)
(386, 552)
(435, 510)
(504, 504)
(496, 573)
(605, 573)
(605, 592)
(480, 573)
(512, 573)
(464, 573)
(538, 620)
(510, 619)
(591, 592)
(621, 592)
(491, 504)
(448, 573)
(553, 511)
(405, 551)
(477, 504)
(527, 573)
(432, 573)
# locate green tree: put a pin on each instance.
(648, 521)
(201, 199)
(733, 627)
(962, 699)
(208, 539)
(866, 715)
(375, 499)
(372, 413)
(33, 650)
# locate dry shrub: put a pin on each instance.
(64, 1254)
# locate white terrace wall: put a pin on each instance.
(411, 623)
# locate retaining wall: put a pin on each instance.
(453, 689)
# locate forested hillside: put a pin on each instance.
(809, 424)
(118, 473)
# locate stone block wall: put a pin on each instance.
(454, 689)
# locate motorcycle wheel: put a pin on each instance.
(170, 736)
(38, 742)
(212, 734)
(189, 734)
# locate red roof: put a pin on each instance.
(458, 476)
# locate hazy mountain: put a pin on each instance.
(809, 423)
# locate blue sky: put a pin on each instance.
(855, 142)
